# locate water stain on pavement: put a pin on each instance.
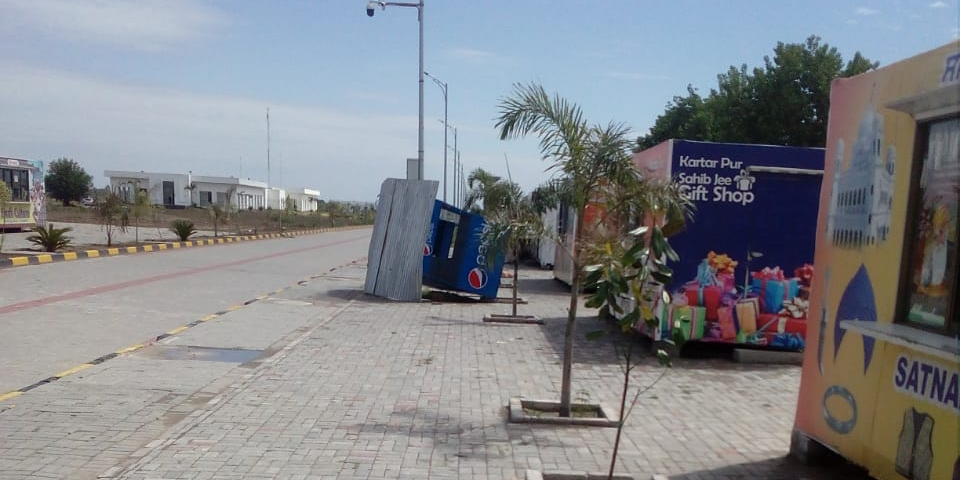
(203, 354)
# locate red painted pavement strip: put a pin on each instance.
(18, 307)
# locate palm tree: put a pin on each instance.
(514, 224)
(590, 158)
(480, 184)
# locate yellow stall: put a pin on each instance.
(881, 371)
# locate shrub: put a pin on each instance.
(183, 229)
(50, 237)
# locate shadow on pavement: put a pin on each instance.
(779, 468)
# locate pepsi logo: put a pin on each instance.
(427, 249)
(477, 278)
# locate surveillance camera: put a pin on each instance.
(371, 8)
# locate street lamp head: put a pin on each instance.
(372, 7)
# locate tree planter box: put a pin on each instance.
(537, 475)
(604, 416)
(521, 319)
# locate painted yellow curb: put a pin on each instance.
(129, 349)
(73, 370)
(8, 396)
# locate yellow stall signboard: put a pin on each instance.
(881, 371)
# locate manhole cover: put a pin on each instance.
(204, 354)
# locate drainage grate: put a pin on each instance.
(203, 354)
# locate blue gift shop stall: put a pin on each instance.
(745, 259)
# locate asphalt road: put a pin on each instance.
(56, 316)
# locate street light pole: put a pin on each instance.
(443, 87)
(371, 8)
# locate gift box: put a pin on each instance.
(774, 292)
(708, 297)
(795, 325)
(768, 322)
(691, 320)
(804, 274)
(746, 311)
(787, 341)
(728, 323)
(727, 282)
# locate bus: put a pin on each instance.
(27, 205)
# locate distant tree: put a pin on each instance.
(67, 181)
(785, 102)
(685, 117)
(488, 193)
(478, 181)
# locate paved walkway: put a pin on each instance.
(364, 388)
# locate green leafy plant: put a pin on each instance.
(183, 229)
(50, 238)
(627, 281)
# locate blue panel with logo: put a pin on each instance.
(454, 257)
(756, 198)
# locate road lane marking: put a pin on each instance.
(26, 305)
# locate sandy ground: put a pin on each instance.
(84, 234)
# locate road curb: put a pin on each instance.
(43, 258)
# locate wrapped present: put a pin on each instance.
(690, 320)
(768, 322)
(804, 274)
(747, 311)
(721, 263)
(794, 308)
(796, 326)
(708, 297)
(728, 323)
(713, 330)
(706, 275)
(727, 282)
(774, 292)
(788, 341)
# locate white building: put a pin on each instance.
(305, 199)
(184, 190)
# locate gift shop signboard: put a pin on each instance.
(881, 372)
(746, 257)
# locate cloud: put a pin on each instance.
(939, 4)
(864, 11)
(473, 55)
(147, 25)
(635, 76)
(104, 125)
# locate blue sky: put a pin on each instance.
(177, 85)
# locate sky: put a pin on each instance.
(184, 85)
